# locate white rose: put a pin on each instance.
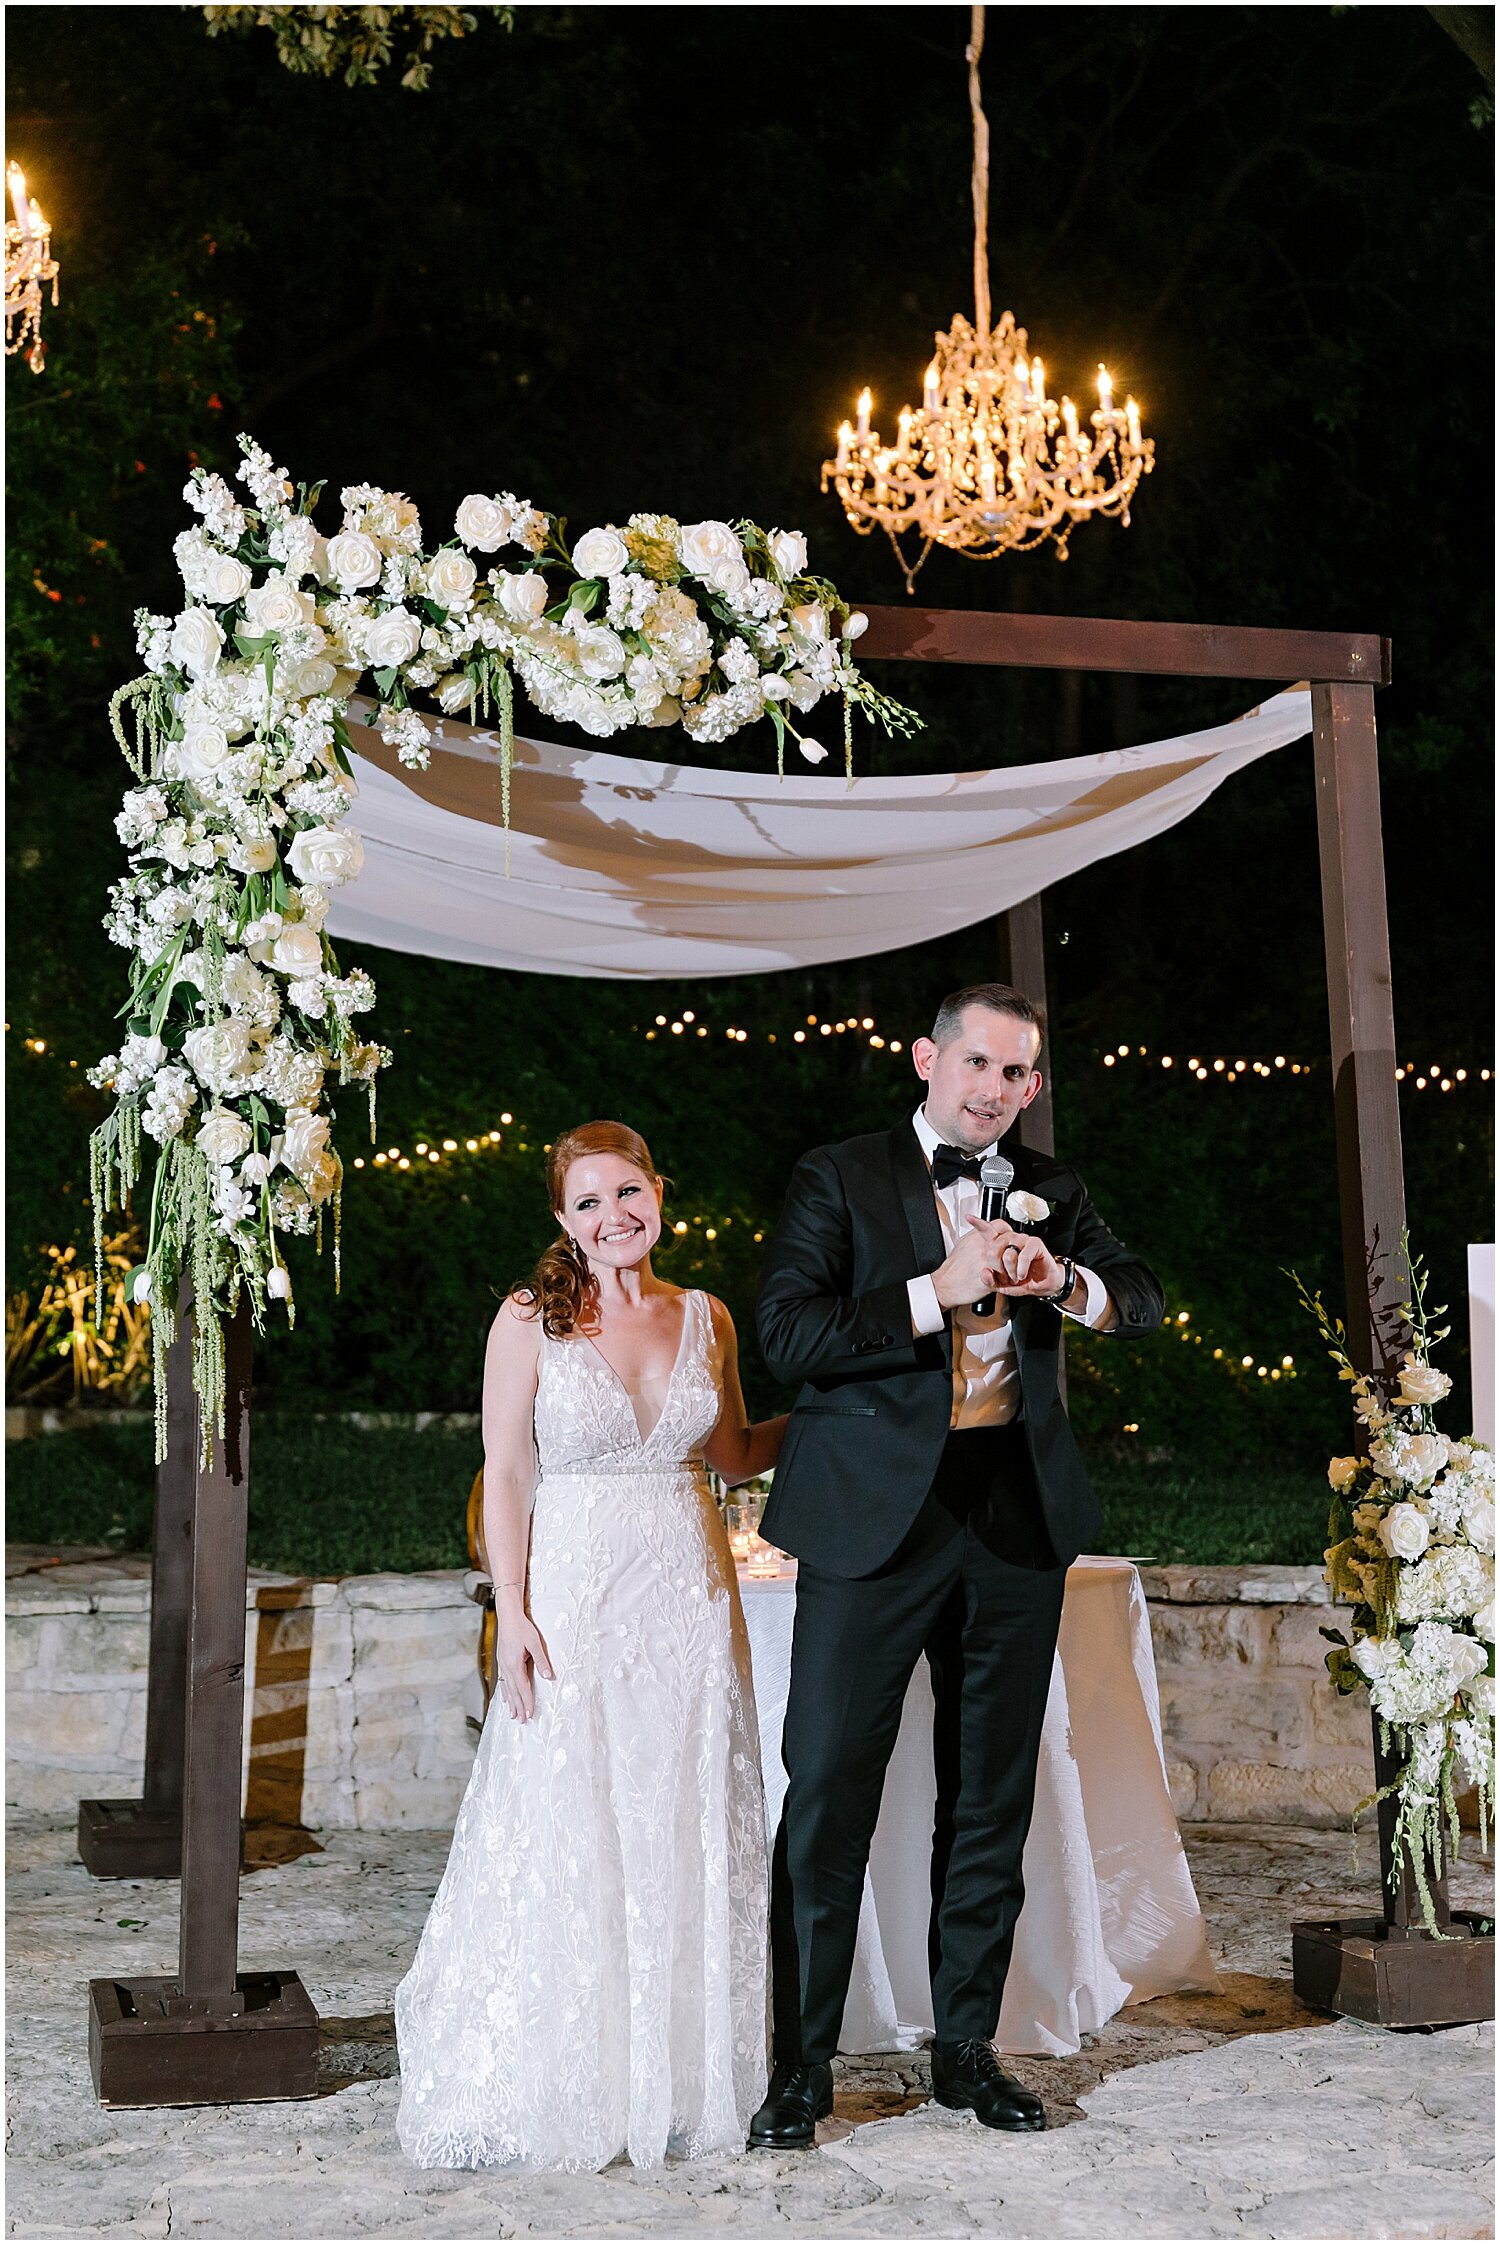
(297, 950)
(1422, 1383)
(449, 578)
(1426, 1456)
(326, 855)
(223, 1136)
(789, 551)
(392, 638)
(279, 1283)
(728, 577)
(278, 605)
(600, 553)
(1479, 1522)
(219, 1052)
(482, 523)
(1342, 1473)
(701, 544)
(810, 620)
(1027, 1208)
(222, 579)
(315, 676)
(201, 751)
(324, 1176)
(353, 560)
(255, 853)
(856, 624)
(522, 595)
(196, 641)
(303, 1141)
(1403, 1532)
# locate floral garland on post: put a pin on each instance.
(1412, 1549)
(239, 1018)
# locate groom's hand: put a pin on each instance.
(973, 1267)
(1027, 1265)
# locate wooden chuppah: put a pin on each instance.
(212, 2034)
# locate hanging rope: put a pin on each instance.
(981, 179)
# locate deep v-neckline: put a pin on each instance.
(645, 1439)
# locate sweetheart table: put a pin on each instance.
(1110, 1915)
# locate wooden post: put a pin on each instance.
(1023, 965)
(211, 2035)
(143, 1839)
(1385, 1969)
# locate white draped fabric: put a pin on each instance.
(623, 867)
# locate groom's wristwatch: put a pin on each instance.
(1070, 1280)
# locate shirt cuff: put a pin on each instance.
(1096, 1298)
(926, 1309)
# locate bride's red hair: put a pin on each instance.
(563, 1291)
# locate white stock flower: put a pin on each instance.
(168, 1104)
(449, 578)
(1404, 1532)
(223, 1136)
(353, 561)
(701, 544)
(303, 1141)
(522, 594)
(1450, 1580)
(297, 951)
(197, 641)
(279, 605)
(392, 639)
(789, 552)
(246, 990)
(600, 553)
(1342, 1474)
(484, 524)
(326, 855)
(1421, 1384)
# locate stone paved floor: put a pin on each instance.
(1241, 2115)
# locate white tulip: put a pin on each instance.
(814, 751)
(279, 1283)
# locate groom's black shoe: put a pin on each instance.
(966, 2077)
(798, 2098)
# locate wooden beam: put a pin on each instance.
(973, 635)
(213, 1751)
(1023, 965)
(1366, 1113)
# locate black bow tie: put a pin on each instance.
(948, 1164)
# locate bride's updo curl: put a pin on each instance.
(563, 1291)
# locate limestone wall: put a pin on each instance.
(358, 1693)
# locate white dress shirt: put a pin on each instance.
(986, 1370)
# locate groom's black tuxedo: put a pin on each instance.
(869, 1425)
(913, 1539)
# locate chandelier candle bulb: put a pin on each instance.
(862, 426)
(929, 390)
(16, 181)
(1133, 424)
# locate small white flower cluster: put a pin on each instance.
(1418, 1567)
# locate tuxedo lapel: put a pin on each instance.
(914, 1184)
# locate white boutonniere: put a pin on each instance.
(1027, 1208)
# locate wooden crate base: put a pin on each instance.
(1391, 1976)
(142, 2051)
(127, 1840)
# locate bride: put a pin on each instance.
(592, 1976)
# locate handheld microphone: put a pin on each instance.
(996, 1176)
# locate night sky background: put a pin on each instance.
(640, 258)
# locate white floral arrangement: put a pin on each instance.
(1412, 1550)
(239, 1024)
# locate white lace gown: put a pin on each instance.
(592, 1978)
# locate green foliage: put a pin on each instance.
(328, 1499)
(354, 43)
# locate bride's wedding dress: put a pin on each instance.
(592, 1977)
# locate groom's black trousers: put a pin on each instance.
(977, 1587)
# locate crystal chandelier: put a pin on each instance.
(29, 266)
(988, 463)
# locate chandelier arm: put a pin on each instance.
(981, 175)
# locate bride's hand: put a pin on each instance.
(520, 1655)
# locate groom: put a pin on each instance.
(933, 1494)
